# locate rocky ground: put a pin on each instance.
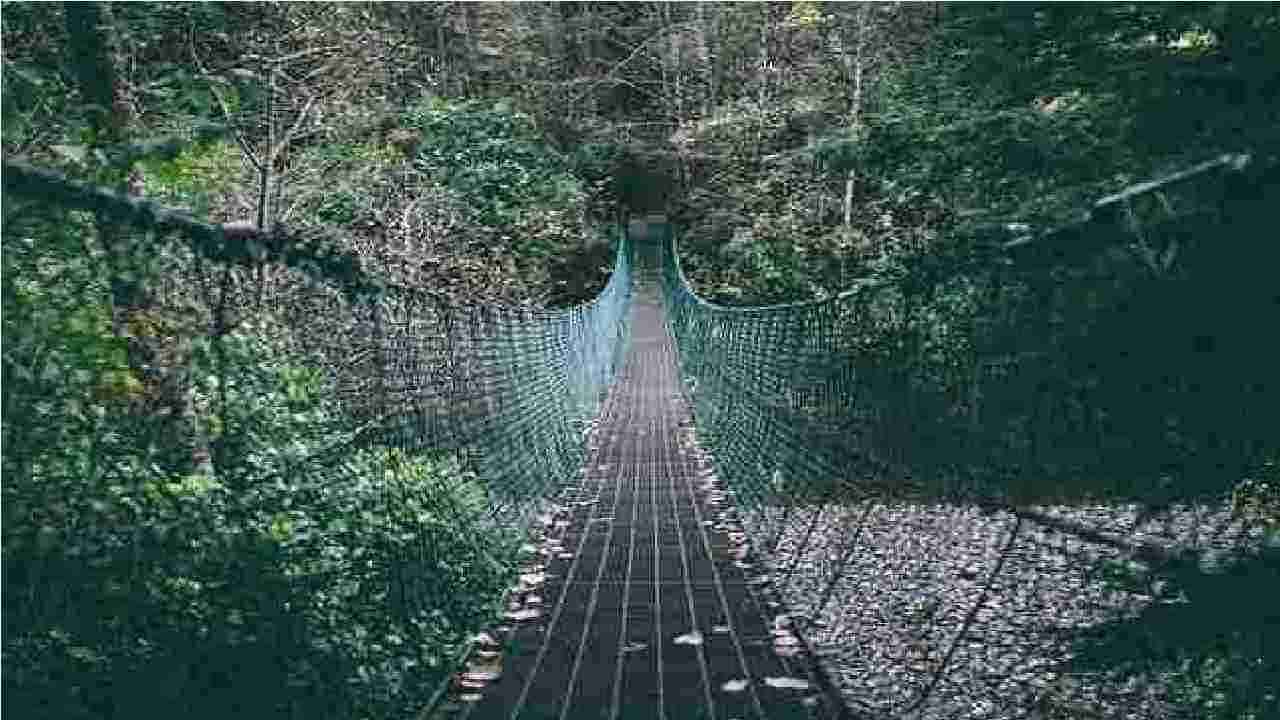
(951, 612)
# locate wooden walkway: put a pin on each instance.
(640, 601)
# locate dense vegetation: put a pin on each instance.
(476, 152)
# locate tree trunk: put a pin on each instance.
(267, 158)
(586, 38)
(854, 68)
(471, 56)
(705, 55)
(444, 69)
(763, 79)
(93, 44)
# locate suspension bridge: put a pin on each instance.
(808, 510)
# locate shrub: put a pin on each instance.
(272, 578)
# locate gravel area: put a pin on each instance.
(892, 628)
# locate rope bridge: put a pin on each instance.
(913, 499)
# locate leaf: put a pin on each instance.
(26, 75)
(734, 686)
(524, 614)
(72, 153)
(484, 639)
(693, 638)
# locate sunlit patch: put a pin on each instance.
(481, 675)
(787, 683)
(692, 638)
(524, 614)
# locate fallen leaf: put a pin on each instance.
(525, 614)
(693, 638)
(787, 683)
(734, 686)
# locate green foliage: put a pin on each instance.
(1258, 497)
(1021, 113)
(482, 181)
(982, 116)
(267, 579)
(474, 145)
(201, 170)
(1208, 631)
(497, 157)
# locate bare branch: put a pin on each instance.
(222, 105)
(288, 136)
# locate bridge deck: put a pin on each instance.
(640, 606)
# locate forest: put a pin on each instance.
(166, 549)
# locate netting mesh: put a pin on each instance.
(969, 476)
(378, 453)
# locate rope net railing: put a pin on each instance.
(996, 481)
(247, 446)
